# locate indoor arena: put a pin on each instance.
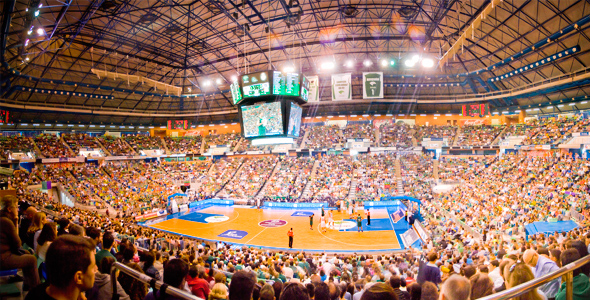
(294, 150)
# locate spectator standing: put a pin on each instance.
(429, 272)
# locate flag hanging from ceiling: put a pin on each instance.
(372, 85)
(341, 87)
(314, 88)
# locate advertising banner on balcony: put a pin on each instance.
(341, 87)
(372, 85)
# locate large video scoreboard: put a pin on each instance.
(267, 84)
(269, 103)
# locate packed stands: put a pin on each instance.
(375, 176)
(229, 139)
(15, 143)
(143, 142)
(359, 131)
(246, 145)
(549, 131)
(440, 132)
(52, 146)
(291, 178)
(395, 135)
(115, 146)
(184, 145)
(333, 184)
(79, 140)
(478, 135)
(248, 181)
(321, 137)
(219, 174)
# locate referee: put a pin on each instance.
(290, 234)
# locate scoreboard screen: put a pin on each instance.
(304, 88)
(262, 120)
(4, 117)
(236, 94)
(179, 124)
(294, 120)
(256, 85)
(475, 110)
(285, 84)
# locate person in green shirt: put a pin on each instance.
(581, 284)
(311, 221)
(108, 240)
(359, 223)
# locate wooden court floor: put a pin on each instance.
(246, 220)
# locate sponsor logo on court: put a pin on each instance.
(302, 214)
(216, 219)
(343, 225)
(233, 234)
(273, 223)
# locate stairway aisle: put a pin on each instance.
(165, 146)
(497, 139)
(305, 193)
(262, 192)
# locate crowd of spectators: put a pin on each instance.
(246, 145)
(432, 131)
(15, 143)
(478, 135)
(79, 140)
(250, 178)
(143, 142)
(184, 144)
(516, 130)
(375, 176)
(335, 175)
(549, 131)
(219, 174)
(477, 245)
(290, 179)
(52, 146)
(359, 131)
(395, 135)
(321, 137)
(115, 146)
(229, 139)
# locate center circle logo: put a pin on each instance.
(216, 219)
(273, 223)
(343, 225)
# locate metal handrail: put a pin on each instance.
(537, 282)
(147, 279)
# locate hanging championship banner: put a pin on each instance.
(372, 85)
(341, 87)
(314, 88)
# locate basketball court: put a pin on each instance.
(267, 228)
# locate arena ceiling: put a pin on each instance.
(47, 59)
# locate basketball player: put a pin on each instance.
(311, 221)
(330, 220)
(368, 217)
(323, 223)
(350, 209)
(359, 223)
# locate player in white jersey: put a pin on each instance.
(330, 220)
(323, 223)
